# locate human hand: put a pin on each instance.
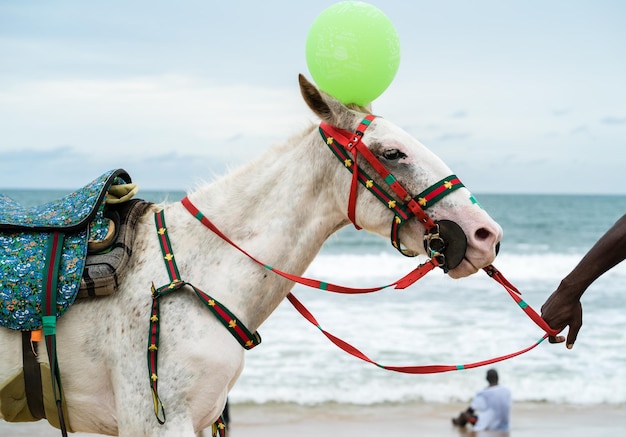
(561, 310)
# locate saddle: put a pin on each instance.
(76, 246)
(105, 268)
(43, 249)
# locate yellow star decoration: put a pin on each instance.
(173, 284)
(153, 347)
(154, 319)
(398, 220)
(369, 183)
(391, 204)
(422, 201)
(161, 231)
(211, 302)
(329, 140)
(447, 184)
(347, 163)
(154, 377)
(221, 425)
(232, 323)
(169, 256)
(249, 343)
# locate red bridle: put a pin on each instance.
(347, 147)
(353, 143)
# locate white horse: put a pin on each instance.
(280, 208)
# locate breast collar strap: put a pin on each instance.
(235, 327)
(347, 146)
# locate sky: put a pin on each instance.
(515, 96)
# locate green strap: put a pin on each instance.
(425, 199)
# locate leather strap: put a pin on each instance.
(49, 319)
(237, 329)
(32, 377)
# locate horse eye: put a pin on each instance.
(393, 154)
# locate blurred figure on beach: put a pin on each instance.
(490, 409)
(563, 307)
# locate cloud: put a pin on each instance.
(452, 136)
(579, 130)
(67, 168)
(459, 114)
(149, 102)
(560, 112)
(79, 124)
(614, 120)
(29, 155)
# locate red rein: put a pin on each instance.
(402, 283)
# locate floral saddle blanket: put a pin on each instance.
(43, 249)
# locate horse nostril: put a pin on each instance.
(482, 234)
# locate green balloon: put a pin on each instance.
(353, 52)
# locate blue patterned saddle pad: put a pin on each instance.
(24, 242)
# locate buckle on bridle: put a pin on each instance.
(447, 243)
(435, 245)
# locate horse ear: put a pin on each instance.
(314, 100)
(326, 107)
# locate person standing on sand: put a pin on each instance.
(563, 307)
(490, 409)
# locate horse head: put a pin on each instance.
(413, 196)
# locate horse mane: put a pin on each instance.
(234, 170)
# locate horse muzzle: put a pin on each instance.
(447, 243)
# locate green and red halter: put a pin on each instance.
(347, 147)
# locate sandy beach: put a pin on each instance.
(424, 420)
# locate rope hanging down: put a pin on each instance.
(437, 368)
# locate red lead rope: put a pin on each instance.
(404, 282)
(517, 297)
(438, 368)
(435, 368)
(401, 283)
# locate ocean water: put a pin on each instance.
(439, 320)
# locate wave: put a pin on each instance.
(360, 268)
(436, 321)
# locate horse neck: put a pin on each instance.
(280, 208)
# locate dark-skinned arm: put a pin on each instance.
(563, 307)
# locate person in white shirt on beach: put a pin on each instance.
(490, 409)
(492, 405)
